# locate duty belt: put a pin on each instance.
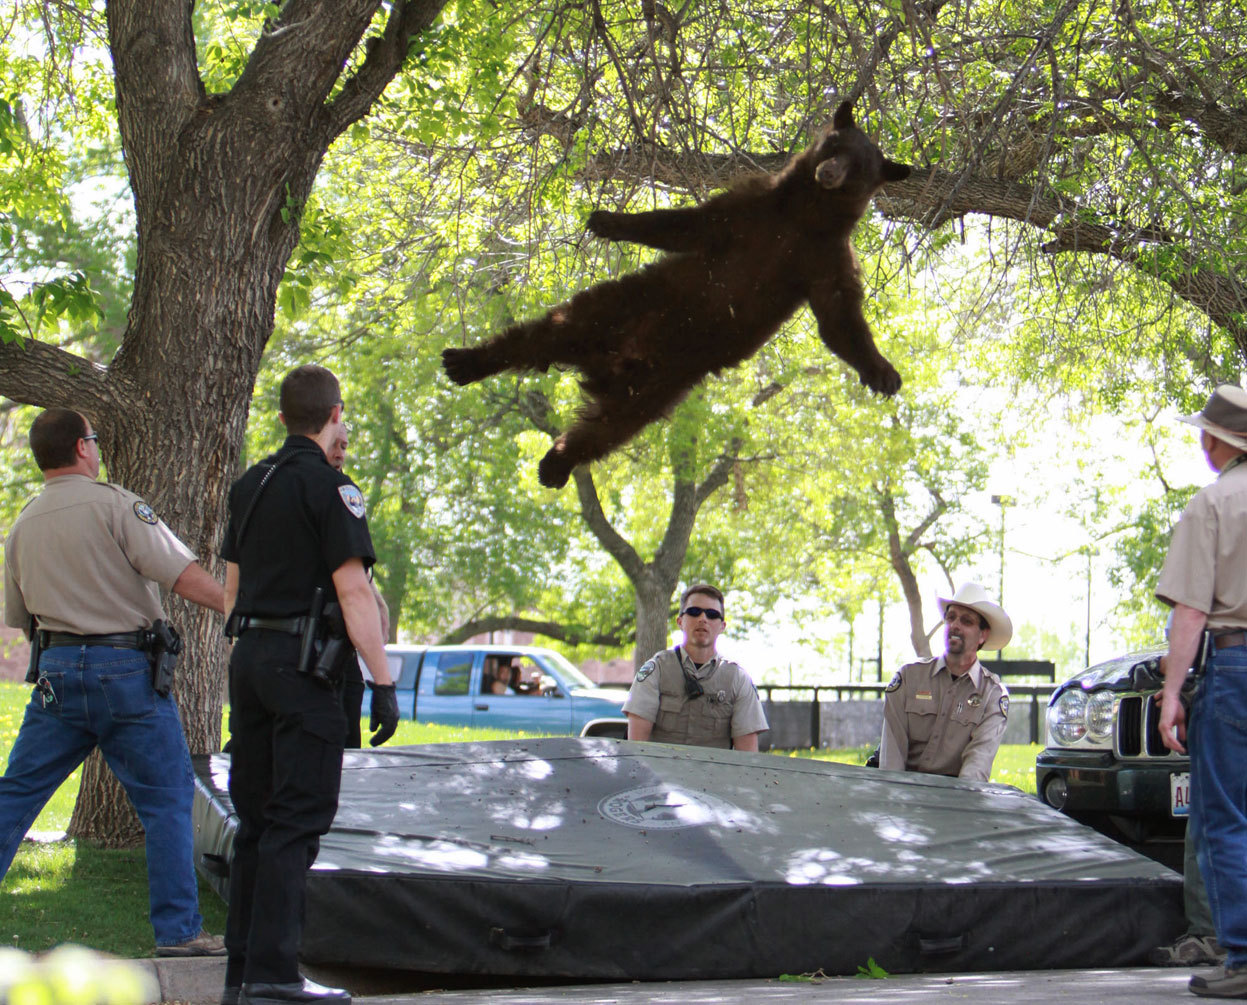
(122, 640)
(289, 626)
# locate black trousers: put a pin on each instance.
(287, 733)
(352, 687)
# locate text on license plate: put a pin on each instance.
(1180, 794)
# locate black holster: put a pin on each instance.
(36, 650)
(164, 646)
(335, 649)
(324, 644)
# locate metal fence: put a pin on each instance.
(817, 694)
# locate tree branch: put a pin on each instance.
(385, 57)
(571, 634)
(157, 84)
(36, 373)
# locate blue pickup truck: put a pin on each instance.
(503, 687)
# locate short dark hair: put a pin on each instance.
(54, 437)
(704, 588)
(308, 395)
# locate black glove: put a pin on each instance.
(384, 713)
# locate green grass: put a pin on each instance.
(62, 891)
(1014, 764)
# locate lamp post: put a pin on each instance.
(1002, 501)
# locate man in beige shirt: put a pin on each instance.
(691, 694)
(946, 716)
(86, 560)
(1203, 581)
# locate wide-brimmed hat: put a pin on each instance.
(973, 596)
(1224, 416)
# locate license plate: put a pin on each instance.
(1180, 794)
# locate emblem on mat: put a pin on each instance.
(667, 807)
(145, 512)
(353, 498)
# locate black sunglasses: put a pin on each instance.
(696, 612)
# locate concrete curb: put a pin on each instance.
(199, 981)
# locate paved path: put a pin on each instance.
(198, 982)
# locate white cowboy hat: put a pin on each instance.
(1224, 416)
(973, 596)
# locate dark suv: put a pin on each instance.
(1105, 764)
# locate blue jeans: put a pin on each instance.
(104, 698)
(1217, 741)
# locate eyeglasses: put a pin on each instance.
(696, 612)
(93, 436)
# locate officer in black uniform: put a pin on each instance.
(297, 550)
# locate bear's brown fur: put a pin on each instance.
(740, 265)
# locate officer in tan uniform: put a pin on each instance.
(690, 694)
(1202, 580)
(946, 716)
(85, 560)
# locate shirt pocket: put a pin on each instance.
(920, 713)
(670, 707)
(968, 716)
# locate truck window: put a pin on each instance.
(403, 669)
(454, 673)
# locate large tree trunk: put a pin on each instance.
(653, 618)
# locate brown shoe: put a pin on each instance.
(1188, 951)
(1224, 982)
(202, 944)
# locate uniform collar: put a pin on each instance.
(1237, 461)
(975, 673)
(299, 442)
(705, 669)
(70, 479)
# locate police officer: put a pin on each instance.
(85, 560)
(690, 694)
(947, 716)
(296, 527)
(1202, 580)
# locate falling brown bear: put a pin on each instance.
(739, 266)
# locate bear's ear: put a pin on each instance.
(843, 119)
(895, 172)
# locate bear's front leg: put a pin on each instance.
(678, 230)
(843, 329)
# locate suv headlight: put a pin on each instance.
(1101, 707)
(1067, 718)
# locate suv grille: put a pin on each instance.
(1138, 733)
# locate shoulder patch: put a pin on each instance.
(145, 512)
(352, 499)
(896, 683)
(1004, 705)
(644, 672)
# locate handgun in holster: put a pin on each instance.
(328, 666)
(310, 645)
(36, 650)
(164, 646)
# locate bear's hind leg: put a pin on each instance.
(561, 335)
(606, 423)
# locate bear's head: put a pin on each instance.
(846, 161)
